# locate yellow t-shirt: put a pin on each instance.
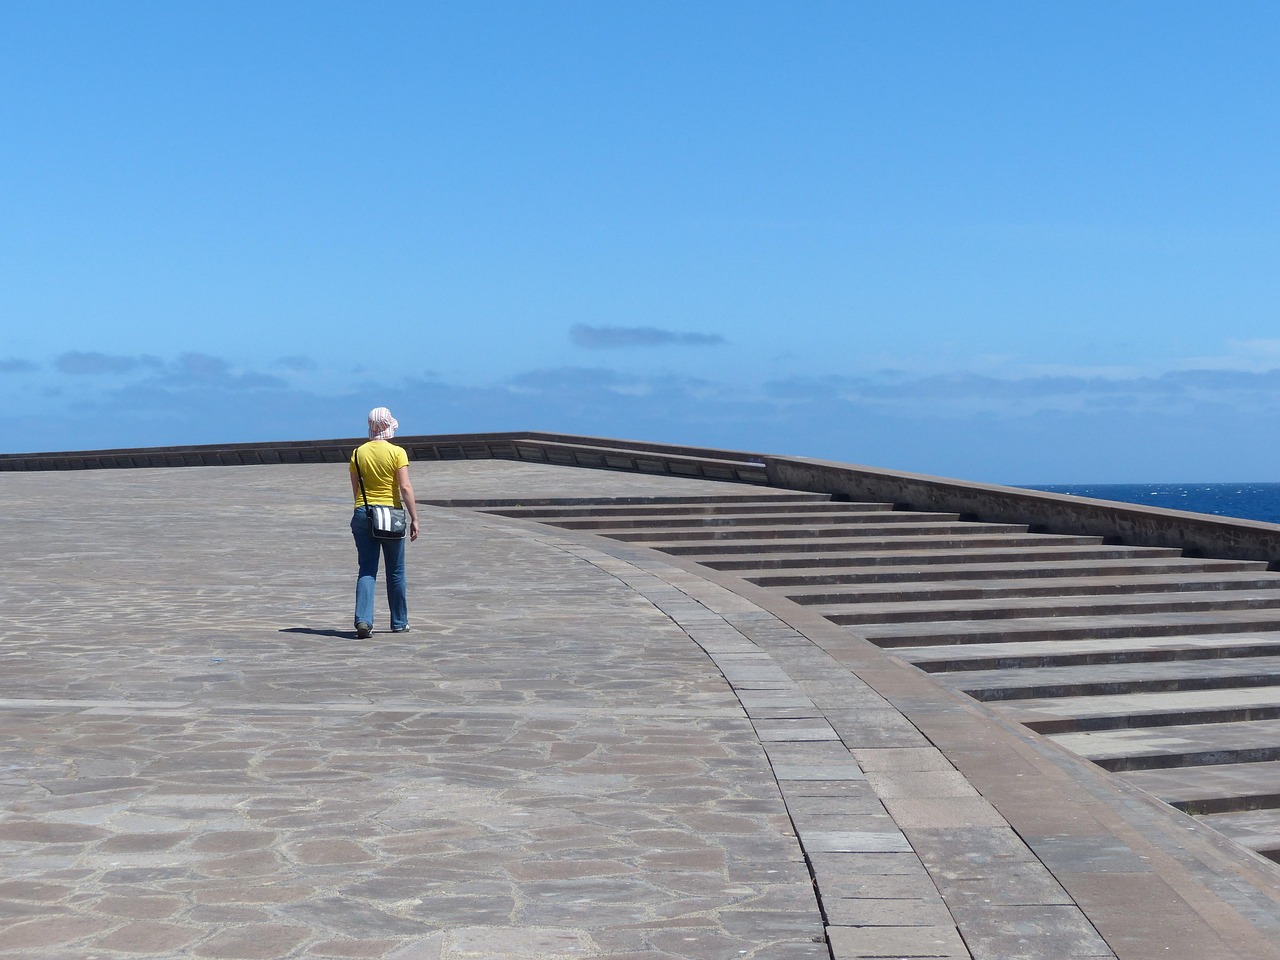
(379, 461)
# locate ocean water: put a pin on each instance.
(1250, 501)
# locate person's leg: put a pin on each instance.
(397, 591)
(367, 551)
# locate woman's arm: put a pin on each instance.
(406, 498)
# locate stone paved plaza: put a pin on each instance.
(581, 749)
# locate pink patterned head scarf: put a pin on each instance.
(382, 425)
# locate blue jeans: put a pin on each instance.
(368, 550)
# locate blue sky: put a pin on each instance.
(1019, 242)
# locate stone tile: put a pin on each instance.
(971, 850)
(919, 785)
(139, 907)
(569, 869)
(219, 916)
(867, 864)
(1098, 854)
(33, 890)
(141, 842)
(697, 860)
(1045, 931)
(784, 731)
(513, 942)
(328, 852)
(888, 841)
(35, 831)
(217, 893)
(51, 932)
(352, 949)
(865, 912)
(708, 944)
(901, 759)
(233, 841)
(259, 864)
(429, 948)
(855, 884)
(819, 772)
(934, 813)
(1013, 884)
(854, 943)
(257, 942)
(837, 822)
(149, 937)
(351, 918)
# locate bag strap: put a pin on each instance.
(355, 455)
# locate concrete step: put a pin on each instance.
(1183, 581)
(1221, 788)
(749, 494)
(1112, 678)
(921, 546)
(919, 530)
(961, 572)
(1038, 555)
(852, 613)
(1256, 830)
(1047, 653)
(609, 526)
(1069, 628)
(1135, 710)
(744, 507)
(1182, 745)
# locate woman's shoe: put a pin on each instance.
(363, 630)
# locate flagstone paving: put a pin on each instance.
(581, 749)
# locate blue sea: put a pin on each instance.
(1250, 501)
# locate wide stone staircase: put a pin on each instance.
(1159, 667)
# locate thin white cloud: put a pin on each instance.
(967, 394)
(625, 338)
(92, 363)
(1255, 355)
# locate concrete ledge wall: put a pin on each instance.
(551, 448)
(1197, 534)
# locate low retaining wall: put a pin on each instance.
(1197, 534)
(551, 448)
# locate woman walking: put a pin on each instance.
(383, 469)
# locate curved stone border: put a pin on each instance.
(1033, 853)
